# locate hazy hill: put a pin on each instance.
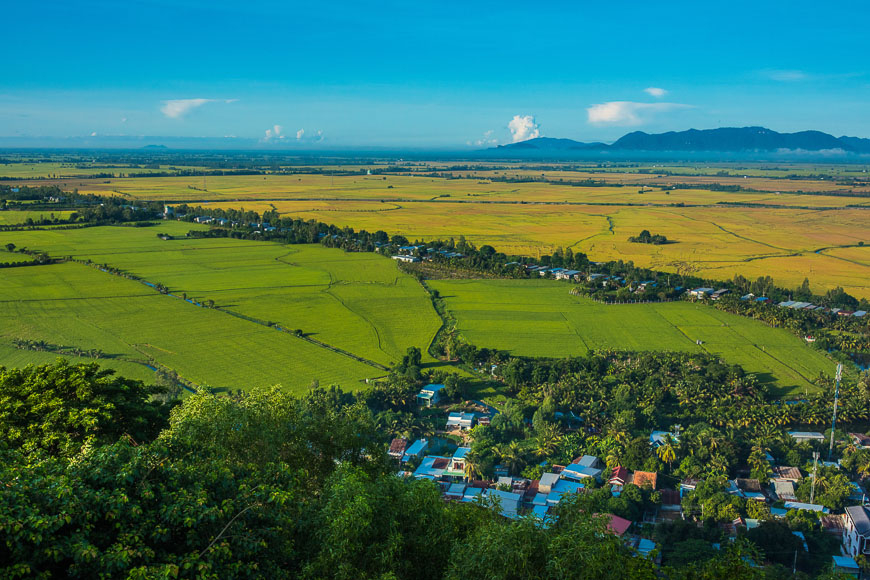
(725, 139)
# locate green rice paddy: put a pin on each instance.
(541, 318)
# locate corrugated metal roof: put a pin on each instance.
(861, 518)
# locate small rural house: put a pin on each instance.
(856, 530)
(457, 463)
(659, 438)
(644, 478)
(547, 481)
(430, 395)
(415, 450)
(461, 421)
(806, 436)
(577, 472)
(398, 447)
(846, 565)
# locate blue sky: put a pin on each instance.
(429, 74)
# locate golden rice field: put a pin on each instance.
(814, 236)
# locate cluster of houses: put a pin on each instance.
(795, 305)
(258, 227)
(515, 496)
(710, 293)
(409, 253)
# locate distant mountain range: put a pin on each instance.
(726, 139)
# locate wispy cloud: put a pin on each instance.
(786, 76)
(655, 92)
(299, 134)
(523, 128)
(627, 113)
(177, 108)
(487, 139)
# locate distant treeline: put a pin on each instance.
(88, 208)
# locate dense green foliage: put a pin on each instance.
(647, 238)
(267, 485)
(60, 408)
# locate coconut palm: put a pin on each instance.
(547, 439)
(666, 451)
(511, 456)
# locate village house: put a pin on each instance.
(398, 447)
(644, 478)
(456, 468)
(658, 438)
(846, 565)
(547, 481)
(700, 292)
(619, 477)
(860, 440)
(856, 531)
(430, 395)
(783, 490)
(806, 436)
(581, 468)
(432, 467)
(415, 450)
(461, 421)
(786, 473)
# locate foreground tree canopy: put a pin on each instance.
(259, 485)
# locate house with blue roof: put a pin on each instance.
(415, 450)
(461, 421)
(430, 395)
(432, 467)
(456, 469)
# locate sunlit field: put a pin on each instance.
(540, 318)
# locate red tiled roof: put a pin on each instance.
(618, 525)
(641, 478)
(440, 463)
(619, 474)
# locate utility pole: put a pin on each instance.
(794, 566)
(815, 462)
(836, 400)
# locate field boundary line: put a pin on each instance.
(260, 322)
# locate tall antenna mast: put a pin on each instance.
(836, 400)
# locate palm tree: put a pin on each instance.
(666, 451)
(511, 456)
(472, 465)
(547, 440)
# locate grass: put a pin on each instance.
(11, 218)
(540, 318)
(76, 305)
(359, 303)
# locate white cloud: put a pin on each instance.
(94, 134)
(487, 139)
(299, 134)
(523, 128)
(625, 113)
(124, 119)
(787, 76)
(274, 134)
(655, 92)
(177, 108)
